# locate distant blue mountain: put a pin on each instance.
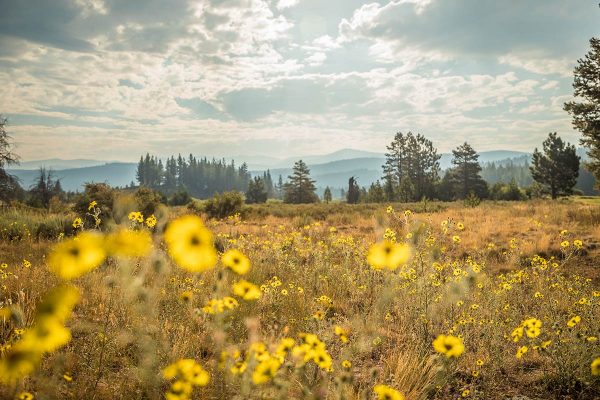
(59, 164)
(115, 174)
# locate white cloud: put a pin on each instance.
(283, 4)
(186, 77)
(541, 65)
(316, 59)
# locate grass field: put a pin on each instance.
(513, 287)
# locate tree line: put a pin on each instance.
(199, 177)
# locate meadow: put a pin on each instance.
(324, 301)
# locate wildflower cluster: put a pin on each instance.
(47, 334)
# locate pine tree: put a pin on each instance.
(586, 114)
(394, 167)
(353, 194)
(43, 189)
(269, 184)
(280, 187)
(300, 188)
(557, 168)
(376, 193)
(411, 168)
(256, 192)
(327, 195)
(466, 173)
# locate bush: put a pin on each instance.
(53, 227)
(179, 198)
(148, 200)
(102, 194)
(472, 200)
(224, 204)
(509, 192)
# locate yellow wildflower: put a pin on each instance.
(151, 221)
(388, 255)
(384, 392)
(595, 366)
(573, 321)
(521, 351)
(246, 290)
(450, 346)
(190, 244)
(236, 261)
(72, 258)
(265, 371)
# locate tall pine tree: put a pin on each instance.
(586, 113)
(465, 175)
(411, 168)
(300, 188)
(257, 192)
(557, 168)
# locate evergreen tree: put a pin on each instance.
(9, 186)
(327, 195)
(388, 189)
(256, 192)
(280, 187)
(422, 165)
(445, 187)
(353, 194)
(200, 177)
(300, 188)
(395, 163)
(362, 194)
(376, 193)
(411, 168)
(586, 114)
(406, 190)
(269, 187)
(44, 189)
(557, 168)
(465, 174)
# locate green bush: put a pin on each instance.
(180, 198)
(224, 204)
(148, 200)
(102, 194)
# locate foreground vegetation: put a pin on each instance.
(484, 302)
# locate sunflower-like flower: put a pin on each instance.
(190, 244)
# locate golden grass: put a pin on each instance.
(131, 322)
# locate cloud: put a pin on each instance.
(50, 23)
(283, 4)
(266, 75)
(316, 59)
(476, 27)
(200, 108)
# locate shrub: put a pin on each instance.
(148, 200)
(180, 198)
(224, 204)
(504, 191)
(472, 200)
(102, 194)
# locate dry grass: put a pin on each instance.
(131, 322)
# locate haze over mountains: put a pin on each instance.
(332, 169)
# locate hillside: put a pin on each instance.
(115, 174)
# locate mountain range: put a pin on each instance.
(332, 169)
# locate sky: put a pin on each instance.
(111, 79)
